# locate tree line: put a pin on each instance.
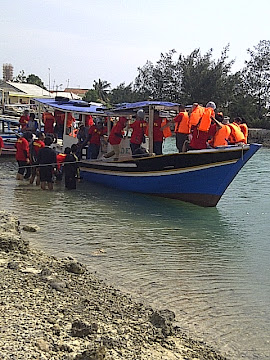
(199, 78)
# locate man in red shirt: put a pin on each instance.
(48, 120)
(23, 156)
(59, 127)
(1, 144)
(138, 132)
(200, 138)
(116, 136)
(94, 135)
(24, 120)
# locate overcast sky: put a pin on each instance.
(83, 40)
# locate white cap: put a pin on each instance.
(140, 114)
(211, 104)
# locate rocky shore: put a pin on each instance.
(56, 309)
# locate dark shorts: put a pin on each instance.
(46, 174)
(180, 139)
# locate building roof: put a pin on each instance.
(29, 89)
(77, 91)
(69, 95)
(8, 87)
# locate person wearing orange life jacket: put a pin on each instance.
(236, 135)
(182, 127)
(195, 114)
(206, 118)
(221, 136)
(205, 129)
(70, 121)
(243, 126)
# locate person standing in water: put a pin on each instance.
(47, 160)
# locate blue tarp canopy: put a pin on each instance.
(143, 104)
(77, 106)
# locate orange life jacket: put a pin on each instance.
(167, 131)
(236, 134)
(74, 133)
(205, 120)
(221, 137)
(184, 125)
(70, 120)
(244, 130)
(195, 115)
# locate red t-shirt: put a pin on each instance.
(22, 146)
(60, 158)
(95, 134)
(139, 127)
(1, 142)
(59, 117)
(48, 120)
(89, 120)
(24, 121)
(157, 134)
(37, 145)
(200, 138)
(116, 133)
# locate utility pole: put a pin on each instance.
(49, 79)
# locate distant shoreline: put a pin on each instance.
(55, 308)
(260, 136)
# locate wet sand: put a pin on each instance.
(56, 309)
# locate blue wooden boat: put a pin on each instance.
(198, 176)
(9, 132)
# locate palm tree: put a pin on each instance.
(102, 88)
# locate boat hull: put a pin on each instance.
(9, 145)
(199, 177)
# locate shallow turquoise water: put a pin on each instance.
(210, 265)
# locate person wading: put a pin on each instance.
(47, 160)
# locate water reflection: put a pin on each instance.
(207, 264)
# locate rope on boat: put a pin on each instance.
(49, 164)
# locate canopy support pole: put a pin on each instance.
(150, 129)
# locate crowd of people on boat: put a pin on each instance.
(197, 128)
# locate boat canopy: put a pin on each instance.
(159, 105)
(78, 106)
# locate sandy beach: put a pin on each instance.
(56, 309)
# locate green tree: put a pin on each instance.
(102, 89)
(123, 93)
(21, 77)
(91, 95)
(204, 79)
(256, 76)
(34, 79)
(161, 81)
